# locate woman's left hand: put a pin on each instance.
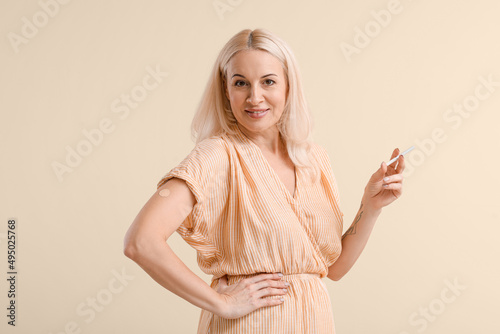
(386, 184)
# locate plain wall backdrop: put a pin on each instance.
(96, 104)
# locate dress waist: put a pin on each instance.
(231, 279)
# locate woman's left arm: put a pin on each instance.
(383, 188)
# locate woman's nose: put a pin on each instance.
(255, 96)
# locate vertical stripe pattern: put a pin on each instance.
(245, 222)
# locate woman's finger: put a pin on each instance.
(394, 154)
(269, 283)
(263, 302)
(270, 291)
(263, 277)
(393, 178)
(401, 165)
(393, 186)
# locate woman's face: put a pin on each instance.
(256, 82)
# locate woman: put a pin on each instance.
(258, 201)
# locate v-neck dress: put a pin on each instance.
(246, 222)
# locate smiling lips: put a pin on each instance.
(256, 110)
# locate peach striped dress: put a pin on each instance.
(246, 222)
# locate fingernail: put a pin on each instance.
(280, 274)
(386, 178)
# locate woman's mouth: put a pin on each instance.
(256, 113)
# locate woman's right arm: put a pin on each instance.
(145, 243)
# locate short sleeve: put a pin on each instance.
(206, 172)
(327, 170)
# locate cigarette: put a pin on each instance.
(396, 158)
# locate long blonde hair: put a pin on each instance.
(214, 115)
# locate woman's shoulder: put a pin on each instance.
(318, 150)
(213, 143)
(214, 148)
(321, 153)
(206, 157)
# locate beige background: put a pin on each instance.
(66, 78)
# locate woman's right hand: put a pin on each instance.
(247, 295)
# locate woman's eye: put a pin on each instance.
(270, 82)
(239, 83)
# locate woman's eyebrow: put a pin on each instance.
(264, 76)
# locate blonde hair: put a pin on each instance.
(214, 115)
